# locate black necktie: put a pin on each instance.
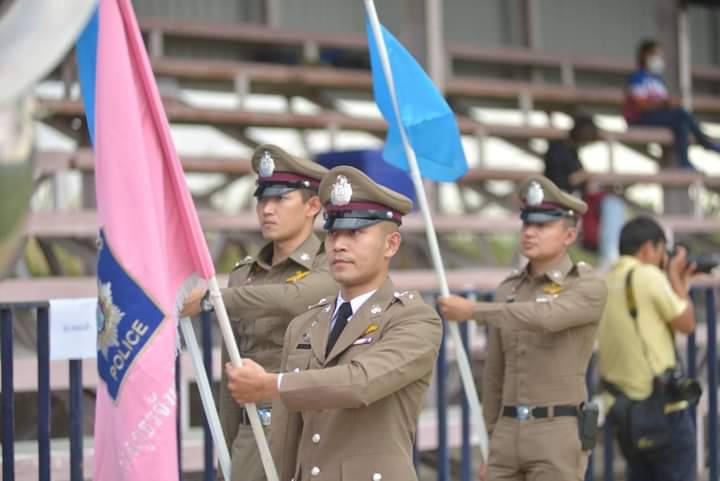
(341, 321)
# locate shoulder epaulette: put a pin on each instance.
(320, 303)
(407, 297)
(583, 268)
(247, 260)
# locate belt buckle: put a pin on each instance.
(524, 412)
(265, 416)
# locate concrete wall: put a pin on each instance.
(602, 28)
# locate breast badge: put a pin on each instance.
(370, 329)
(297, 276)
(553, 289)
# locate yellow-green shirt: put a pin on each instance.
(622, 361)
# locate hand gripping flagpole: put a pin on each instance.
(462, 358)
(207, 397)
(234, 353)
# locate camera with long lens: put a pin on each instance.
(677, 386)
(705, 263)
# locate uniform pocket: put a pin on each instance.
(299, 359)
(245, 335)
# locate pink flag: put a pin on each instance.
(151, 250)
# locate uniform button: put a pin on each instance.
(315, 471)
(377, 477)
(297, 369)
(316, 438)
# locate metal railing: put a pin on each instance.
(76, 459)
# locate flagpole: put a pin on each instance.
(236, 360)
(206, 396)
(462, 358)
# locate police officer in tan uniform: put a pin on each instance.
(542, 330)
(356, 365)
(265, 292)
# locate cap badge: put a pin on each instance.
(535, 194)
(267, 165)
(341, 192)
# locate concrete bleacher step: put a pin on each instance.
(67, 110)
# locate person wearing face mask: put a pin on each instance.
(542, 331)
(647, 103)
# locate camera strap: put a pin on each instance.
(633, 310)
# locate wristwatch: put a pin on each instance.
(206, 304)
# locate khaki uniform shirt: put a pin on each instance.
(353, 414)
(541, 338)
(261, 300)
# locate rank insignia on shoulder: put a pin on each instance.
(553, 288)
(583, 267)
(370, 329)
(404, 296)
(245, 261)
(297, 276)
(319, 303)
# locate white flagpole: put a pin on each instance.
(462, 358)
(234, 353)
(206, 396)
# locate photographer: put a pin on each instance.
(648, 302)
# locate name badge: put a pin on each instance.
(363, 340)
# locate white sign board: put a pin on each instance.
(73, 328)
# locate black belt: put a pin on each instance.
(265, 415)
(523, 413)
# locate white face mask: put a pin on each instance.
(656, 64)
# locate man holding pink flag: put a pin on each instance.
(151, 249)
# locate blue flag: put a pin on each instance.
(428, 120)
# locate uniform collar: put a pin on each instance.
(307, 251)
(556, 273)
(304, 255)
(356, 302)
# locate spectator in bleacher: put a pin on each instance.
(604, 218)
(648, 302)
(647, 103)
(265, 292)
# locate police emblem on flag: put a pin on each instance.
(108, 317)
(127, 320)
